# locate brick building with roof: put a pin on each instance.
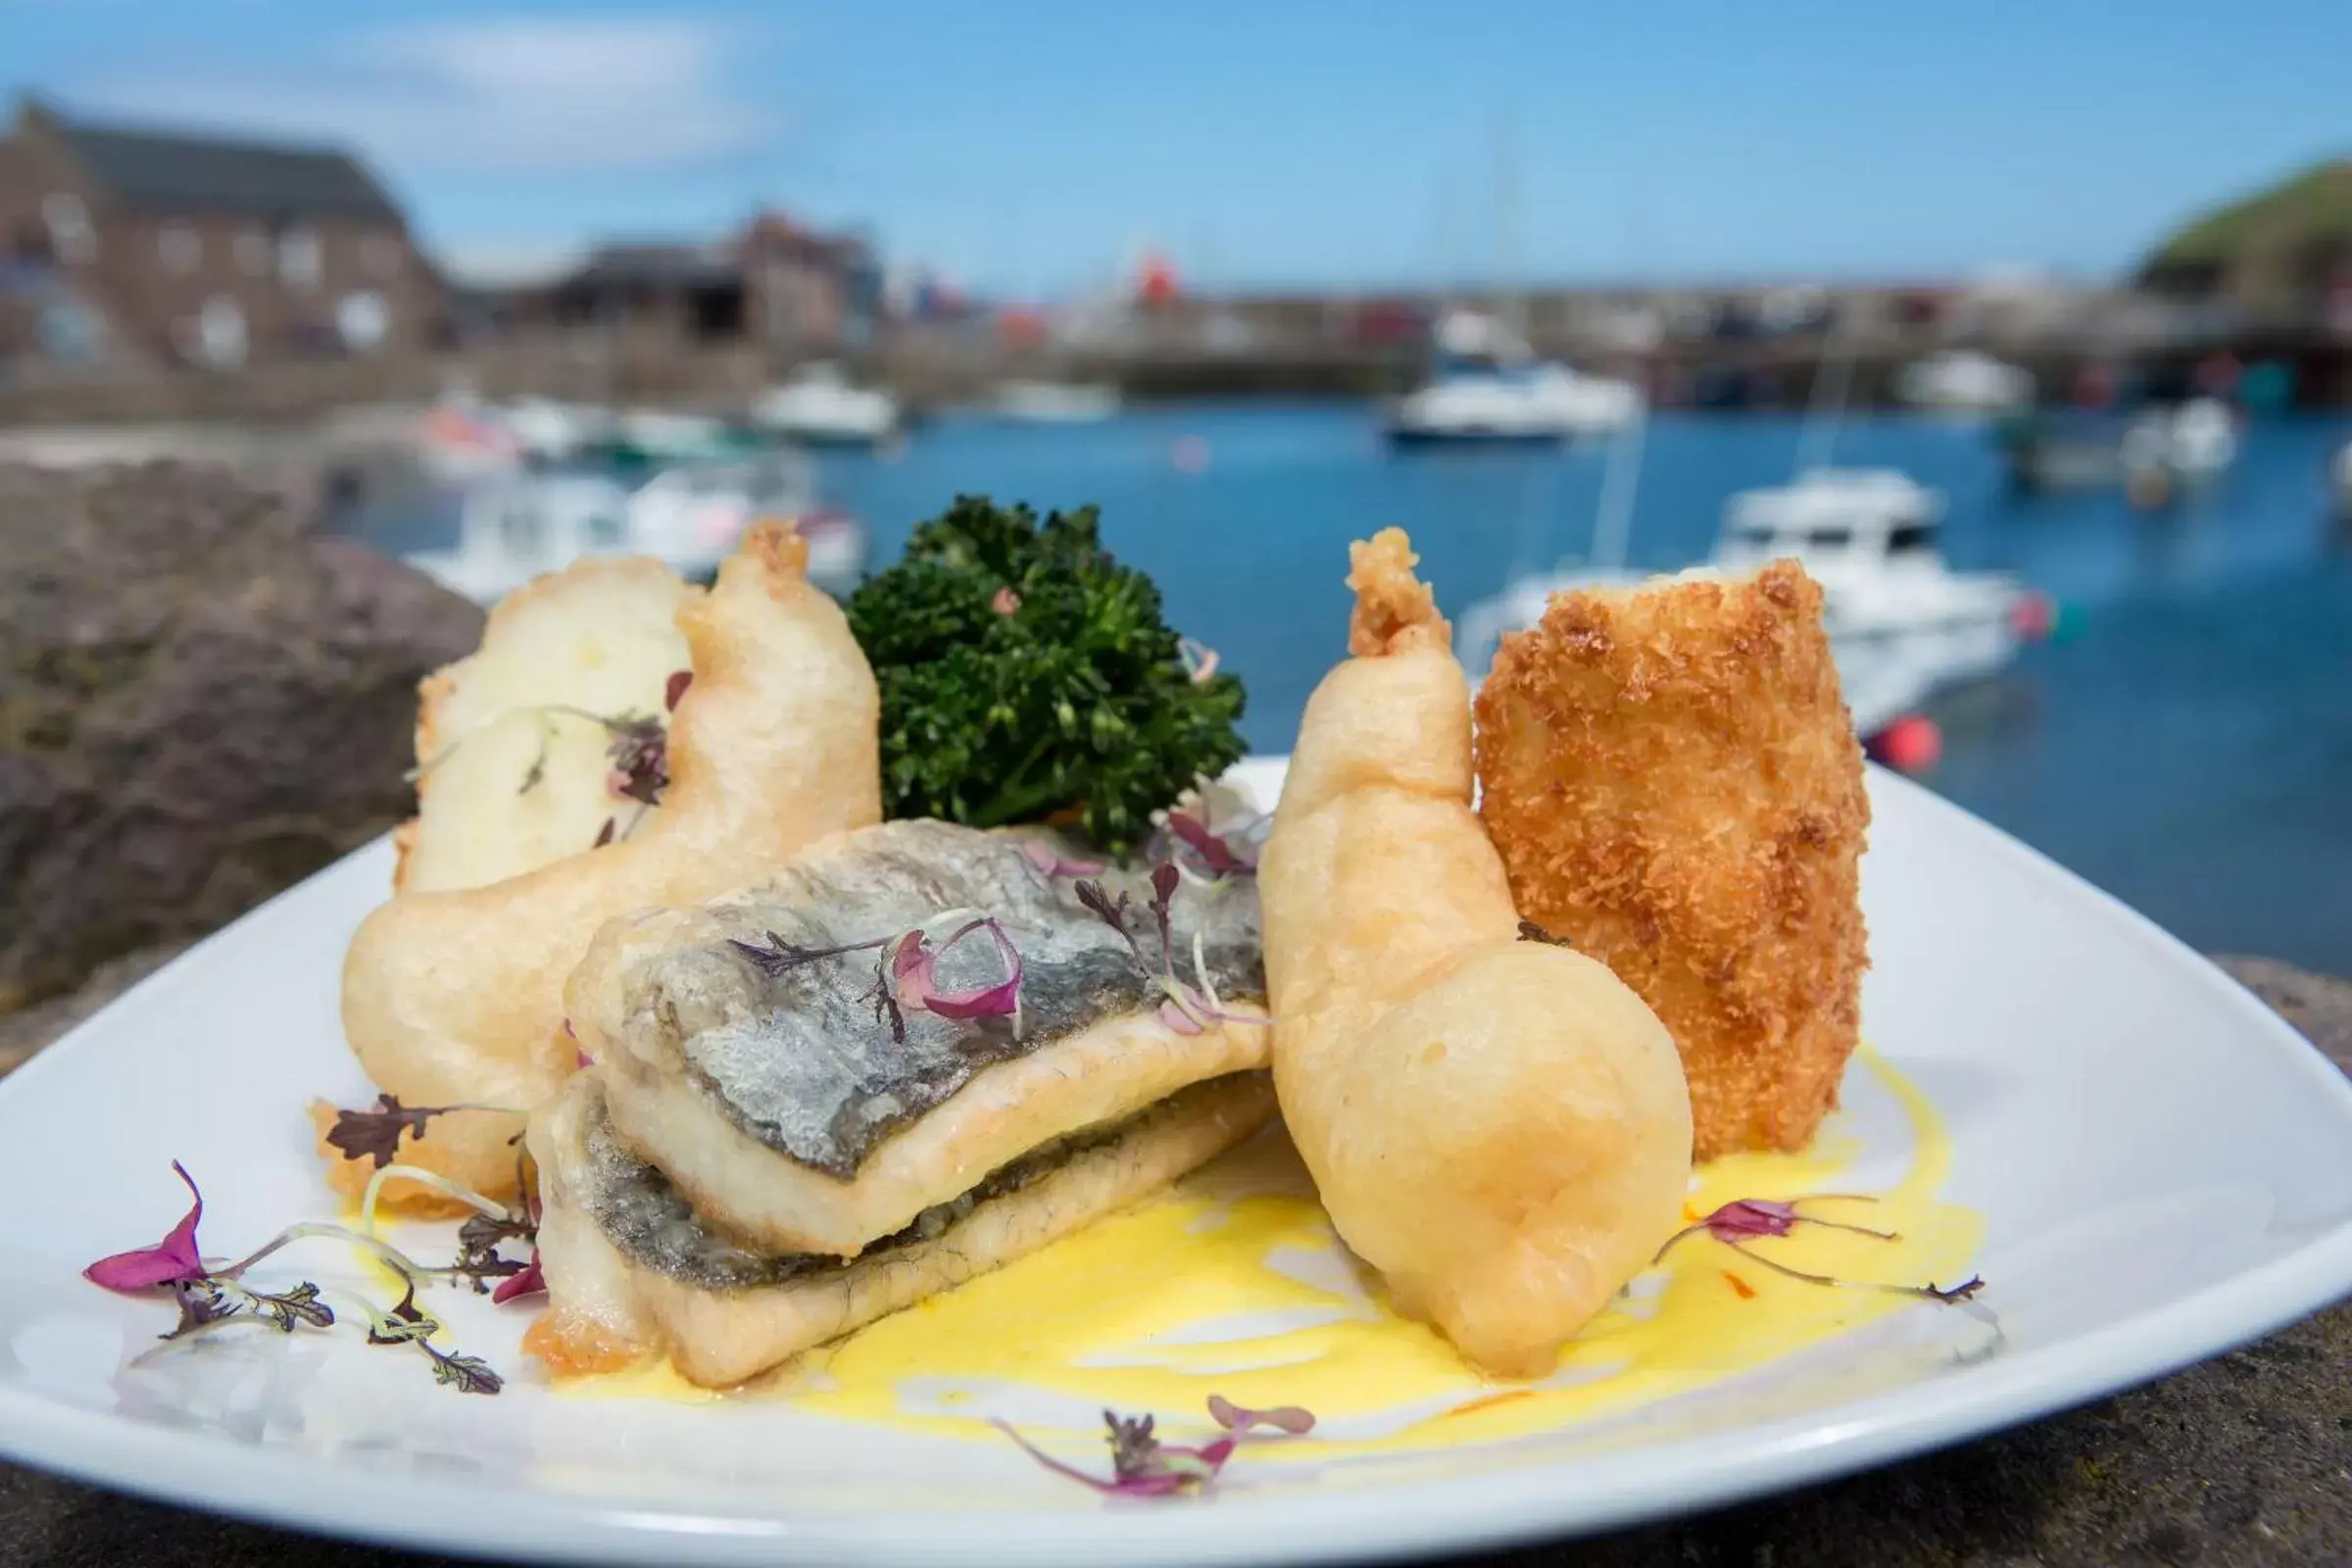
(131, 244)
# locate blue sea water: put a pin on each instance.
(2187, 745)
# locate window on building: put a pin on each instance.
(298, 258)
(179, 249)
(252, 252)
(362, 320)
(71, 236)
(219, 339)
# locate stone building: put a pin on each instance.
(773, 284)
(129, 244)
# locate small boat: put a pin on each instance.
(819, 406)
(1964, 382)
(2064, 450)
(1056, 402)
(654, 438)
(688, 517)
(1487, 386)
(2168, 452)
(1901, 624)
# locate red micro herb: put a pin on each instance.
(373, 1132)
(1746, 1219)
(1142, 1467)
(207, 1295)
(675, 688)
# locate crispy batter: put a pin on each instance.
(1674, 784)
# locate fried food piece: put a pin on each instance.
(1497, 1125)
(632, 1269)
(454, 996)
(1674, 787)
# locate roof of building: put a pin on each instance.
(658, 265)
(169, 172)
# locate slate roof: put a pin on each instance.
(174, 174)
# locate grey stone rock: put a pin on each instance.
(201, 702)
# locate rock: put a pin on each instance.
(201, 702)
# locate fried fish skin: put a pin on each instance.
(1674, 787)
(1497, 1125)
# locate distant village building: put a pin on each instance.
(776, 284)
(118, 243)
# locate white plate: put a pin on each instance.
(2163, 1169)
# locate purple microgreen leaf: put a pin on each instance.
(374, 1132)
(1747, 1219)
(1111, 914)
(675, 688)
(530, 1281)
(1529, 931)
(603, 835)
(175, 1258)
(919, 985)
(1159, 1486)
(402, 1323)
(1173, 1014)
(467, 1374)
(1051, 863)
(201, 1305)
(640, 757)
(1238, 1420)
(286, 1308)
(1214, 851)
(779, 956)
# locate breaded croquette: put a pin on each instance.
(1674, 787)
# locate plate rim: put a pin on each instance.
(1500, 1506)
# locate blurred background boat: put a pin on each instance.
(818, 406)
(687, 516)
(1964, 382)
(1056, 402)
(1486, 385)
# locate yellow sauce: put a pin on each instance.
(1148, 1311)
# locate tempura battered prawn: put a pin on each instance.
(454, 996)
(1494, 1123)
(1674, 785)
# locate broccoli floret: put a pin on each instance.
(1026, 674)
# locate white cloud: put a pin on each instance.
(483, 95)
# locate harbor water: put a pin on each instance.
(2186, 742)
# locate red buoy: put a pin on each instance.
(2033, 616)
(1911, 743)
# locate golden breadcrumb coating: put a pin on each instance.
(1674, 787)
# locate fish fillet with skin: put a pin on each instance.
(1496, 1124)
(453, 992)
(768, 1152)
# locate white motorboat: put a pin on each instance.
(689, 516)
(1056, 402)
(2170, 450)
(819, 406)
(1488, 386)
(1901, 622)
(1964, 382)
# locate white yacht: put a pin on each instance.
(1901, 622)
(2167, 450)
(1056, 402)
(819, 406)
(688, 517)
(1488, 386)
(1964, 382)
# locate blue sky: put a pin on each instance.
(1033, 148)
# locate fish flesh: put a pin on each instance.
(631, 1269)
(801, 1115)
(768, 1151)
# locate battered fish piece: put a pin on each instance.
(453, 992)
(1672, 780)
(1498, 1125)
(632, 1272)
